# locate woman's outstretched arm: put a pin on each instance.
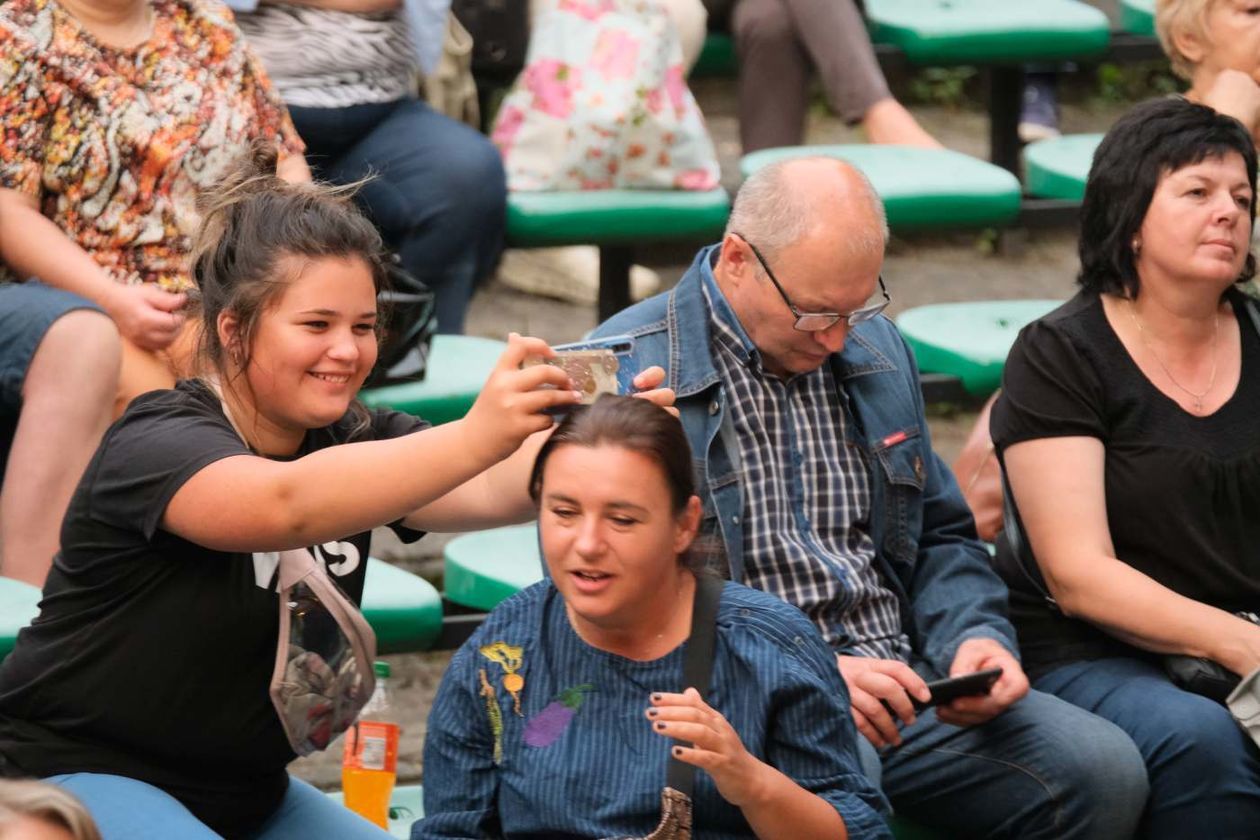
(500, 495)
(248, 503)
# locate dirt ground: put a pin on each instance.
(920, 270)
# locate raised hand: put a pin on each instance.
(1237, 94)
(715, 746)
(510, 405)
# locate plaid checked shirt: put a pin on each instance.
(807, 496)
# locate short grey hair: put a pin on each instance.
(772, 216)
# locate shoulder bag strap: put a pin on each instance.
(698, 664)
(1253, 312)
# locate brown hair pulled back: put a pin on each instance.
(253, 222)
(639, 426)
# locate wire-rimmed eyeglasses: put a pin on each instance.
(819, 321)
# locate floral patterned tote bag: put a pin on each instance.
(602, 104)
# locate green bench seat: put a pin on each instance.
(946, 32)
(1059, 167)
(19, 604)
(616, 221)
(969, 340)
(485, 567)
(457, 368)
(614, 217)
(1138, 17)
(717, 57)
(921, 188)
(404, 609)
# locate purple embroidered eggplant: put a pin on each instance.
(544, 728)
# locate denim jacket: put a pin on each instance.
(925, 539)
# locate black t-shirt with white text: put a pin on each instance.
(151, 656)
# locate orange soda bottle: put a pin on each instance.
(369, 763)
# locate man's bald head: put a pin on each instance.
(781, 204)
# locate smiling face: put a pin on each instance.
(612, 540)
(312, 348)
(1198, 227)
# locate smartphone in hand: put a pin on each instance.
(601, 366)
(948, 690)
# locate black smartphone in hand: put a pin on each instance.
(969, 685)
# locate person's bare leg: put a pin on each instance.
(67, 401)
(834, 36)
(888, 121)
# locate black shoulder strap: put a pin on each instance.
(1021, 550)
(698, 663)
(1253, 311)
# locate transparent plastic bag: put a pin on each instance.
(323, 674)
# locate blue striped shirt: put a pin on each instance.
(807, 495)
(581, 759)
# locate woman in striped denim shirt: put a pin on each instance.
(558, 717)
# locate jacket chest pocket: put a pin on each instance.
(902, 474)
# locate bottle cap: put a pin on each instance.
(381, 669)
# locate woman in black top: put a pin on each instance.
(1128, 431)
(143, 684)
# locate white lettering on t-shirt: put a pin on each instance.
(340, 558)
(265, 563)
(346, 551)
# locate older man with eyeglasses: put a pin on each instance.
(819, 483)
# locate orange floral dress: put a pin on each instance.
(117, 144)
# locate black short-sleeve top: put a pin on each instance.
(1183, 492)
(152, 656)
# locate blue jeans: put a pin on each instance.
(1204, 771)
(27, 310)
(126, 809)
(1042, 769)
(439, 194)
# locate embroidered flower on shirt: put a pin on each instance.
(510, 658)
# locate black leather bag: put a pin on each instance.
(1203, 676)
(407, 309)
(500, 33)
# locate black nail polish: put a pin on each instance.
(656, 698)
(651, 712)
(660, 724)
(677, 751)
